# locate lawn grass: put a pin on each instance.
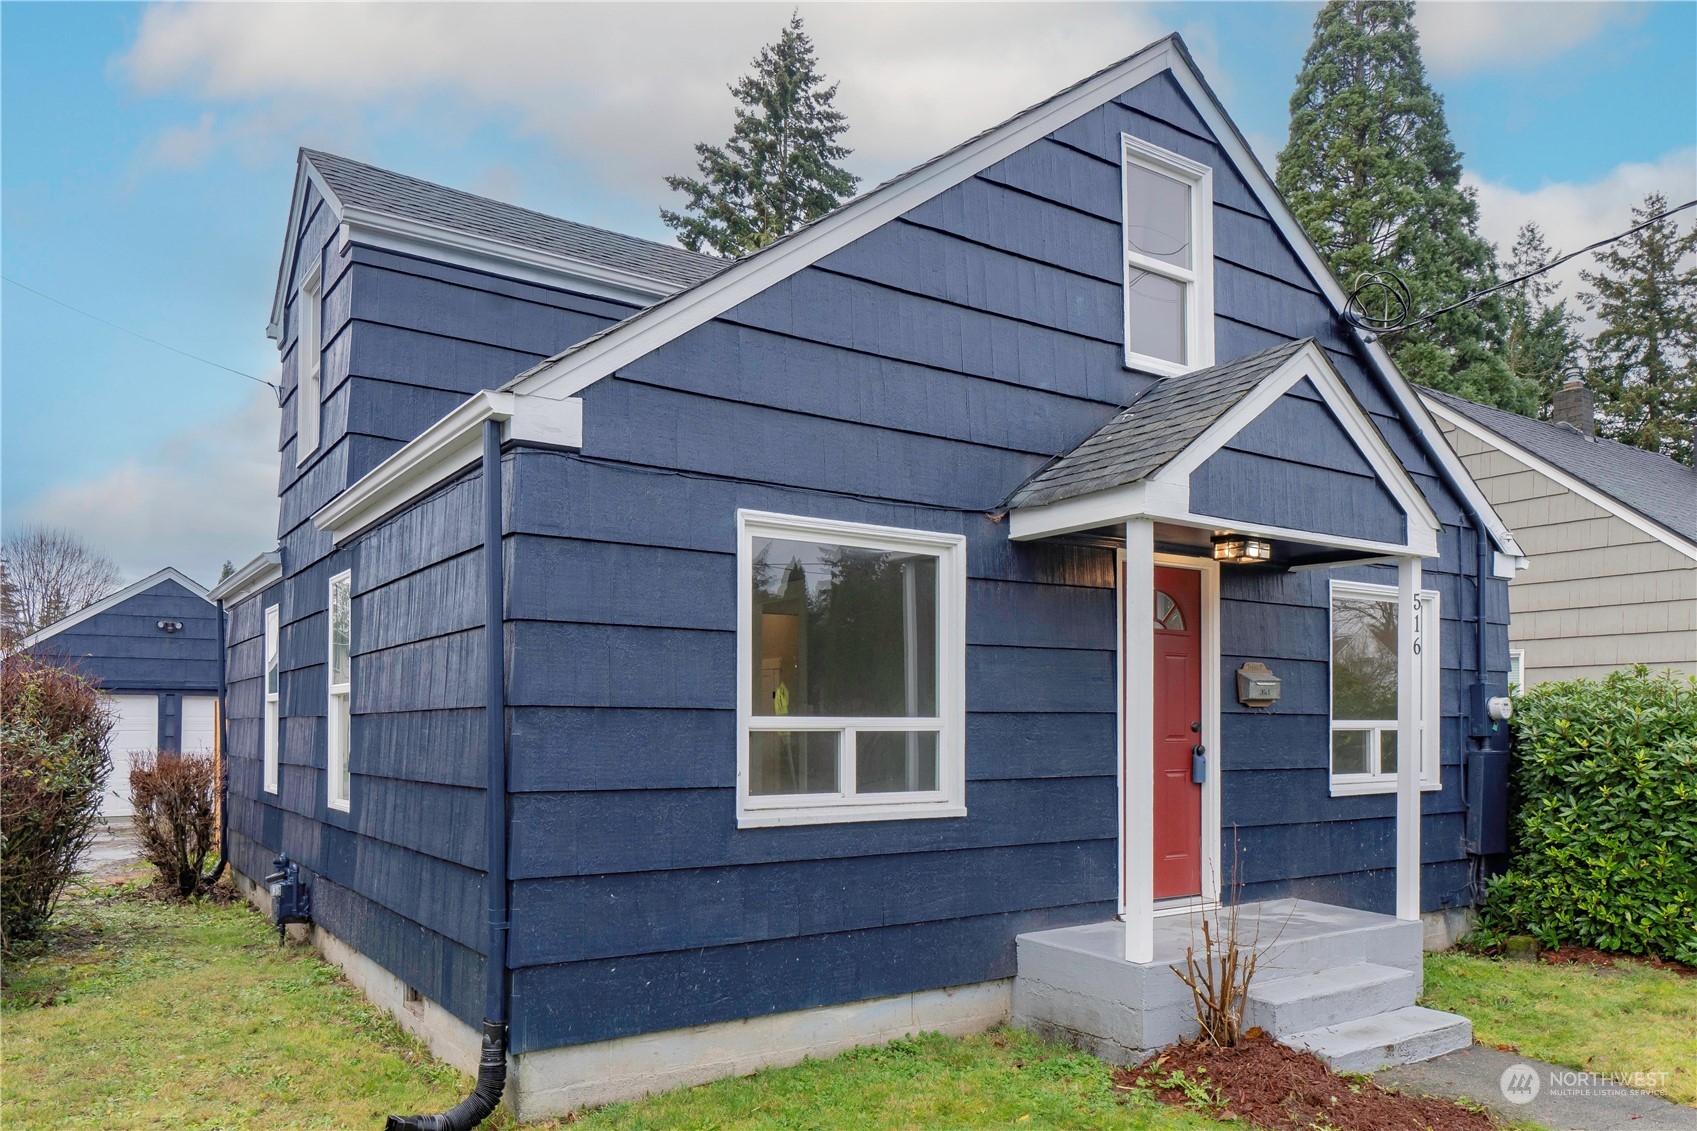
(1622, 1019)
(135, 1013)
(1002, 1079)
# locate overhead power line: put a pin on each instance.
(273, 386)
(1385, 291)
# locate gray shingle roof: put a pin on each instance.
(1154, 428)
(1655, 486)
(366, 186)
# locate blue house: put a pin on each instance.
(152, 648)
(680, 665)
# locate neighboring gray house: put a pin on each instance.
(1609, 531)
(153, 649)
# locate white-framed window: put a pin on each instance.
(1364, 687)
(341, 616)
(851, 657)
(1516, 670)
(273, 694)
(309, 356)
(1168, 223)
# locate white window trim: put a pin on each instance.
(336, 743)
(949, 800)
(1198, 279)
(273, 699)
(1516, 687)
(309, 358)
(1431, 731)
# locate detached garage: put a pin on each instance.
(153, 649)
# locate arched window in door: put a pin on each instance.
(1168, 616)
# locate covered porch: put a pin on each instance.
(1267, 464)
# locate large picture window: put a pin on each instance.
(1169, 260)
(1364, 688)
(852, 648)
(341, 618)
(273, 690)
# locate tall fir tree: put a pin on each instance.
(1644, 359)
(1375, 180)
(1542, 344)
(782, 166)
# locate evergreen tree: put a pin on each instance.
(1375, 180)
(1644, 359)
(1542, 345)
(781, 167)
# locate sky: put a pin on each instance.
(147, 156)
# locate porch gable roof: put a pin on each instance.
(1140, 463)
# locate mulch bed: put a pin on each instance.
(1268, 1085)
(1590, 956)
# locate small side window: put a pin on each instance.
(341, 610)
(273, 690)
(1364, 688)
(309, 356)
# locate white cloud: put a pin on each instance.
(184, 147)
(203, 495)
(915, 78)
(1457, 36)
(1573, 215)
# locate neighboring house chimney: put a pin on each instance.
(1573, 405)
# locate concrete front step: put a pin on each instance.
(1401, 1036)
(1284, 1006)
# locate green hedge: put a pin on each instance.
(1604, 826)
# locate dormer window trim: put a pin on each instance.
(309, 358)
(1194, 278)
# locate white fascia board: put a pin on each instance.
(1505, 566)
(1543, 467)
(498, 257)
(1414, 411)
(1311, 362)
(304, 175)
(443, 450)
(642, 333)
(111, 601)
(263, 571)
(1099, 508)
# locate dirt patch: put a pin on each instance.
(1591, 956)
(1268, 1085)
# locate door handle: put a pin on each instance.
(1198, 764)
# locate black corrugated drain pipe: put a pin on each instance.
(492, 1066)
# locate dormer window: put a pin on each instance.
(1169, 260)
(309, 354)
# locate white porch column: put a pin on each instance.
(1138, 788)
(1408, 745)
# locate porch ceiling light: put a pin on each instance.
(1240, 550)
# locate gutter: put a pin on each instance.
(492, 1066)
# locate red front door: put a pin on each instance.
(1178, 724)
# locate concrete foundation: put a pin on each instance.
(1445, 928)
(552, 1082)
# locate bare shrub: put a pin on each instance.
(53, 767)
(1219, 979)
(176, 819)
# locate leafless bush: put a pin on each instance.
(53, 767)
(175, 798)
(1219, 979)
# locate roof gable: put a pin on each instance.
(1625, 480)
(602, 354)
(1153, 448)
(384, 208)
(152, 581)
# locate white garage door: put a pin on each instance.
(135, 727)
(199, 723)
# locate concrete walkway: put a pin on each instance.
(1563, 1100)
(113, 852)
